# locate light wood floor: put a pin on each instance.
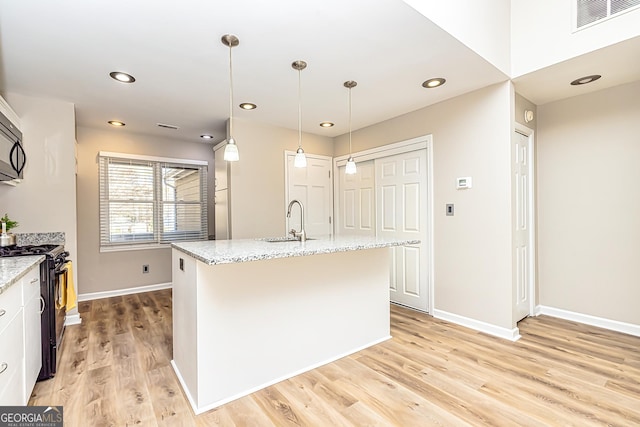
(115, 371)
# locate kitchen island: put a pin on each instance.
(251, 313)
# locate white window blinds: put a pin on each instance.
(590, 11)
(155, 201)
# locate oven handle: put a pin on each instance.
(61, 271)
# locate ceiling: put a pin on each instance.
(68, 48)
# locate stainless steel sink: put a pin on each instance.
(282, 239)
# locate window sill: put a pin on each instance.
(140, 247)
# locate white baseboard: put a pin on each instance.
(207, 407)
(121, 292)
(487, 328)
(72, 319)
(587, 319)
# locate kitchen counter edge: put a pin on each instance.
(215, 252)
(12, 269)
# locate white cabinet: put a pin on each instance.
(20, 349)
(221, 170)
(32, 329)
(221, 195)
(11, 347)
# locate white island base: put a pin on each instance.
(240, 327)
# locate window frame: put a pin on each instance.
(574, 17)
(158, 203)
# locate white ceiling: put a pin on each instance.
(65, 49)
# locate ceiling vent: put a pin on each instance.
(166, 126)
(590, 11)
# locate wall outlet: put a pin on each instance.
(449, 209)
(145, 268)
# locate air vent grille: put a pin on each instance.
(164, 125)
(590, 11)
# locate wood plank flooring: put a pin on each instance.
(114, 371)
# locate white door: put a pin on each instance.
(312, 186)
(522, 225)
(357, 204)
(401, 212)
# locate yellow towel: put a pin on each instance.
(67, 291)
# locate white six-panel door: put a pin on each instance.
(357, 204)
(312, 186)
(522, 225)
(401, 212)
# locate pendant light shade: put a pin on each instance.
(231, 149)
(300, 160)
(350, 169)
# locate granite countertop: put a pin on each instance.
(244, 250)
(12, 269)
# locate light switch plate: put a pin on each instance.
(464, 182)
(449, 209)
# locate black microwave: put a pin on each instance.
(12, 155)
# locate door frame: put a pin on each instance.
(529, 133)
(424, 142)
(331, 186)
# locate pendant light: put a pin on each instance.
(300, 160)
(231, 149)
(350, 169)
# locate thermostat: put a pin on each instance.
(463, 183)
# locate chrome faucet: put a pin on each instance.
(301, 234)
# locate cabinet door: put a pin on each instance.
(32, 343)
(31, 326)
(12, 363)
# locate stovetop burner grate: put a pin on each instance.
(9, 251)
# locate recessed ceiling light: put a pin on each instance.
(116, 123)
(206, 136)
(326, 124)
(431, 83)
(122, 77)
(585, 80)
(248, 106)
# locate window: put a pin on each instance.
(149, 200)
(590, 11)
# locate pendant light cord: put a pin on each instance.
(230, 94)
(349, 122)
(299, 109)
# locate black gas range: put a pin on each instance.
(52, 269)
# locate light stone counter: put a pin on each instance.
(243, 250)
(12, 269)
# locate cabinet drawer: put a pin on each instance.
(10, 304)
(11, 362)
(31, 284)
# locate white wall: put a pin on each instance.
(541, 34)
(472, 250)
(46, 199)
(483, 26)
(257, 180)
(588, 204)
